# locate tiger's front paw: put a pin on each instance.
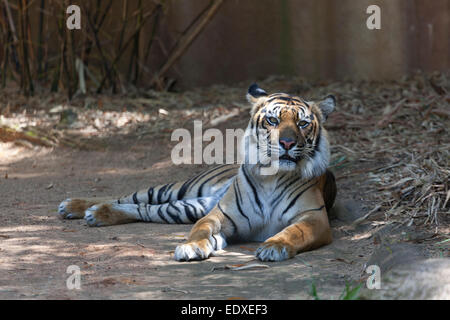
(198, 250)
(274, 251)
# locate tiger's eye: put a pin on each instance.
(272, 121)
(303, 124)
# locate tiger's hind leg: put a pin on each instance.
(211, 183)
(174, 212)
(75, 208)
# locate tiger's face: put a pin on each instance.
(290, 130)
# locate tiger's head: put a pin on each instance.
(289, 130)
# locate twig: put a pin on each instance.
(185, 43)
(387, 118)
(123, 49)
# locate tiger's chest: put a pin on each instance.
(260, 214)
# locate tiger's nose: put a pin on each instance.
(287, 143)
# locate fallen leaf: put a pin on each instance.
(342, 260)
(240, 267)
(169, 289)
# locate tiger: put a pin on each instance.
(286, 211)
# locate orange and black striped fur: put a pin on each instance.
(286, 209)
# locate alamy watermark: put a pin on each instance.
(238, 146)
(374, 280)
(374, 20)
(73, 282)
(73, 22)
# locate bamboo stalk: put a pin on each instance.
(107, 69)
(185, 43)
(40, 39)
(124, 23)
(5, 47)
(26, 78)
(29, 61)
(153, 34)
(137, 46)
(123, 49)
(11, 21)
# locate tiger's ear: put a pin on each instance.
(255, 93)
(327, 106)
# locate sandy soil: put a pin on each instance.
(135, 261)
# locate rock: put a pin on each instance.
(347, 211)
(388, 256)
(422, 280)
(68, 117)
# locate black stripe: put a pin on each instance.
(196, 210)
(161, 215)
(257, 123)
(139, 212)
(135, 199)
(298, 196)
(202, 203)
(279, 98)
(184, 188)
(215, 242)
(174, 217)
(150, 195)
(296, 189)
(188, 183)
(238, 202)
(276, 201)
(200, 190)
(284, 178)
(188, 212)
(169, 189)
(255, 194)
(316, 147)
(172, 205)
(301, 213)
(160, 193)
(228, 177)
(228, 217)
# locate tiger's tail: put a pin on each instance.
(329, 192)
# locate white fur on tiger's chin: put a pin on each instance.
(286, 165)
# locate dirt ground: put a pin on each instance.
(135, 261)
